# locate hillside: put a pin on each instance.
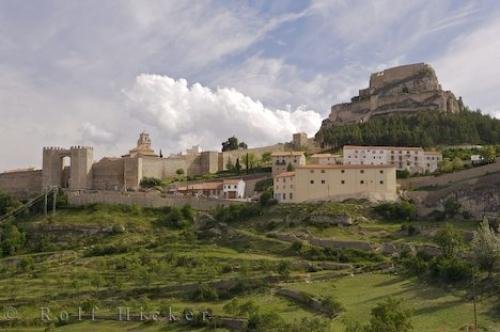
(271, 267)
(424, 129)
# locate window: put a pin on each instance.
(381, 182)
(312, 181)
(290, 195)
(311, 171)
(284, 196)
(322, 181)
(234, 186)
(343, 171)
(343, 181)
(381, 171)
(362, 171)
(322, 171)
(361, 181)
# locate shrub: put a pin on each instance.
(264, 185)
(102, 250)
(331, 306)
(176, 217)
(11, 239)
(204, 293)
(150, 182)
(449, 240)
(390, 316)
(7, 203)
(266, 198)
(402, 174)
(450, 270)
(403, 211)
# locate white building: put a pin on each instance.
(413, 159)
(282, 160)
(233, 188)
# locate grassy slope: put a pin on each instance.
(158, 257)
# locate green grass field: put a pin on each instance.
(111, 257)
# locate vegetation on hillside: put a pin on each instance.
(424, 129)
(232, 261)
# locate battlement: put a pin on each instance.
(81, 147)
(53, 148)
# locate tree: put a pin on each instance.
(390, 316)
(179, 171)
(150, 182)
(265, 159)
(7, 203)
(250, 161)
(486, 247)
(449, 240)
(232, 143)
(451, 207)
(457, 164)
(11, 239)
(488, 154)
(237, 166)
(289, 167)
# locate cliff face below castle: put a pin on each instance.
(408, 88)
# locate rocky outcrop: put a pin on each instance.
(408, 88)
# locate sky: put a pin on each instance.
(98, 72)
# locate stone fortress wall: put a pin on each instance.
(117, 173)
(408, 88)
(21, 183)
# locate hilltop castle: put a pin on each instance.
(408, 88)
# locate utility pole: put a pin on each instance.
(54, 200)
(474, 300)
(45, 202)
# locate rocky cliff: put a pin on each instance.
(408, 88)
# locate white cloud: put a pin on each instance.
(95, 134)
(470, 67)
(186, 115)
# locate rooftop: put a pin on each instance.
(287, 153)
(374, 147)
(312, 166)
(232, 181)
(324, 155)
(201, 186)
(285, 174)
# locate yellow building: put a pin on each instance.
(336, 183)
(326, 159)
(282, 159)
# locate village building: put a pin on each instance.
(336, 183)
(206, 189)
(233, 188)
(283, 161)
(326, 159)
(412, 159)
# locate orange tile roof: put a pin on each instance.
(287, 153)
(285, 174)
(232, 181)
(201, 186)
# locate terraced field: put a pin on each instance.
(233, 267)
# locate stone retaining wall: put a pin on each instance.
(145, 199)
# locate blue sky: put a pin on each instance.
(98, 72)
